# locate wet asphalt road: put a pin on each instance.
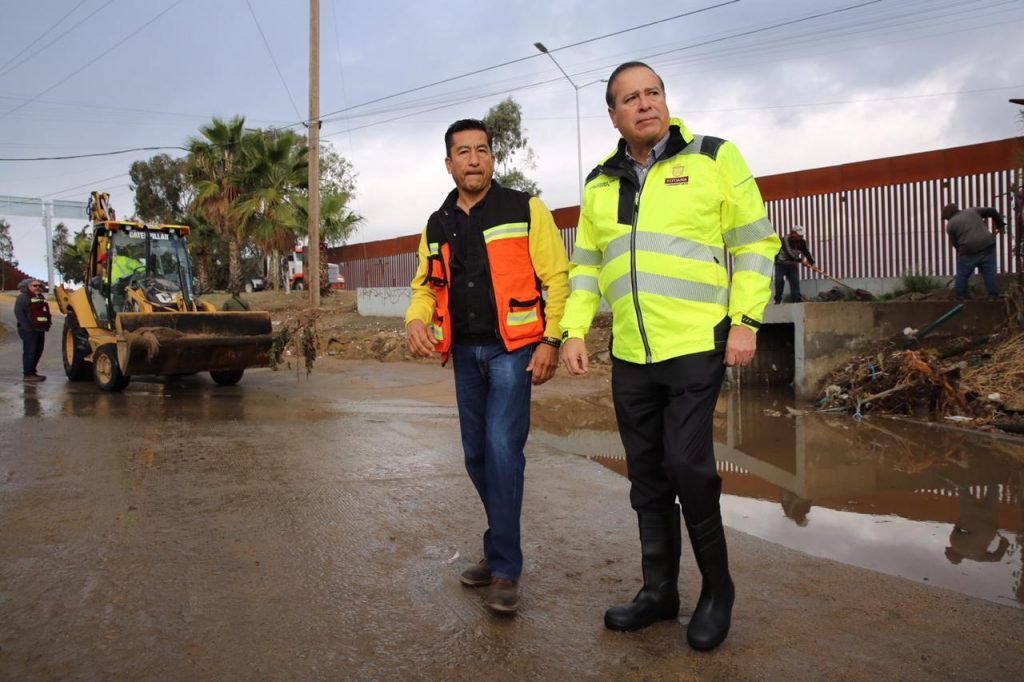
(292, 528)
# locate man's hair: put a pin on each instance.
(609, 97)
(458, 127)
(949, 210)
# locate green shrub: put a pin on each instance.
(920, 283)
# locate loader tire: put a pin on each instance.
(227, 377)
(105, 370)
(299, 286)
(75, 342)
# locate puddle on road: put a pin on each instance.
(933, 505)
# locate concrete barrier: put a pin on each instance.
(383, 301)
(822, 336)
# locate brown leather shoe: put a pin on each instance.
(503, 597)
(33, 378)
(477, 575)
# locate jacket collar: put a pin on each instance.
(678, 137)
(450, 201)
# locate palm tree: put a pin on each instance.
(213, 167)
(275, 165)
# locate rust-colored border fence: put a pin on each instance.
(879, 218)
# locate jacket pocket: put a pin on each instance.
(523, 319)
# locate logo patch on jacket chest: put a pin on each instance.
(678, 180)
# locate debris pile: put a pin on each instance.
(298, 337)
(976, 382)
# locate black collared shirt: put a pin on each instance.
(474, 321)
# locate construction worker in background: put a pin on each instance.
(236, 303)
(486, 257)
(793, 253)
(657, 216)
(124, 266)
(975, 246)
(33, 317)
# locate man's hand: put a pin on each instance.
(574, 356)
(419, 339)
(739, 349)
(543, 363)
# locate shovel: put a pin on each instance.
(860, 294)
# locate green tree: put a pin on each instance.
(163, 192)
(512, 153)
(208, 251)
(71, 254)
(6, 251)
(214, 168)
(337, 220)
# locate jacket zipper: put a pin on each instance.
(633, 279)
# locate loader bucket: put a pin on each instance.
(184, 343)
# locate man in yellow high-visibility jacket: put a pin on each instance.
(657, 217)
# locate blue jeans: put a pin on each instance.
(492, 388)
(31, 350)
(985, 262)
(790, 271)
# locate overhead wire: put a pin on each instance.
(94, 154)
(520, 59)
(444, 100)
(4, 70)
(272, 59)
(41, 36)
(89, 63)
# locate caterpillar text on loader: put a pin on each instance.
(137, 313)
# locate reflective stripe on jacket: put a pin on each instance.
(525, 256)
(657, 253)
(39, 314)
(122, 267)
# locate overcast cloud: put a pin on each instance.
(872, 79)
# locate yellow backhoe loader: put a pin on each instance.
(137, 313)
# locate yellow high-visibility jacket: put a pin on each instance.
(657, 253)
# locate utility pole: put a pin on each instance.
(313, 250)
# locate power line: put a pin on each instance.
(136, 110)
(521, 59)
(89, 63)
(326, 117)
(41, 36)
(271, 53)
(4, 70)
(88, 156)
(87, 184)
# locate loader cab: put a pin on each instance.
(152, 261)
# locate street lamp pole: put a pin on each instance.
(579, 143)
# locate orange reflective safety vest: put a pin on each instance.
(518, 304)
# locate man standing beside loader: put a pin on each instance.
(33, 317)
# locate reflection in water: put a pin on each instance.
(30, 401)
(929, 504)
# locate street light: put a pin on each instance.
(579, 144)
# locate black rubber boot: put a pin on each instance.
(710, 622)
(658, 599)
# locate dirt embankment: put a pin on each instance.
(975, 383)
(346, 334)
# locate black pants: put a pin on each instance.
(790, 271)
(665, 413)
(31, 350)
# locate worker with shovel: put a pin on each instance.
(794, 251)
(975, 245)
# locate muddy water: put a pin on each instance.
(931, 504)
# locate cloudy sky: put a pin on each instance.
(795, 83)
